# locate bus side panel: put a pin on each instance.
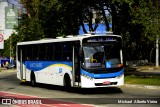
(47, 75)
(28, 74)
(48, 72)
(62, 70)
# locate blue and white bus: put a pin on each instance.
(86, 61)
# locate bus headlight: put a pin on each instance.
(88, 77)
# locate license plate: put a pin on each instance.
(106, 82)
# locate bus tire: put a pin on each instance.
(67, 81)
(33, 79)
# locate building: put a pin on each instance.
(4, 30)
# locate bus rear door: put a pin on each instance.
(22, 65)
(76, 66)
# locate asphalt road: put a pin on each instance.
(99, 97)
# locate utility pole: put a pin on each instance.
(10, 49)
(157, 51)
(157, 38)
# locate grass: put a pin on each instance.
(145, 80)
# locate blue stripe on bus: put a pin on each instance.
(107, 75)
(39, 65)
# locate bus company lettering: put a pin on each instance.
(35, 65)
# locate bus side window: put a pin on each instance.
(35, 52)
(67, 52)
(58, 52)
(50, 52)
(42, 52)
(28, 53)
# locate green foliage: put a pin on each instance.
(145, 80)
(6, 51)
(136, 21)
(144, 28)
(147, 13)
(10, 46)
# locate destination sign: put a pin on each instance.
(102, 39)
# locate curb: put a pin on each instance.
(142, 86)
(150, 68)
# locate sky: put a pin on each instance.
(14, 2)
(101, 29)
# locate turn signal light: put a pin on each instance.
(120, 65)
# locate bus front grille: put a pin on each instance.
(101, 84)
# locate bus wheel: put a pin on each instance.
(67, 81)
(33, 80)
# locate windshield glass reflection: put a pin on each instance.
(101, 56)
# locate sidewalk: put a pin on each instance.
(142, 86)
(143, 70)
(5, 70)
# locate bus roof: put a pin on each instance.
(74, 38)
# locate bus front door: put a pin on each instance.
(76, 67)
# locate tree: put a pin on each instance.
(146, 13)
(133, 20)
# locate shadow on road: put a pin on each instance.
(86, 91)
(12, 79)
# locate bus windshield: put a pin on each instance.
(101, 56)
